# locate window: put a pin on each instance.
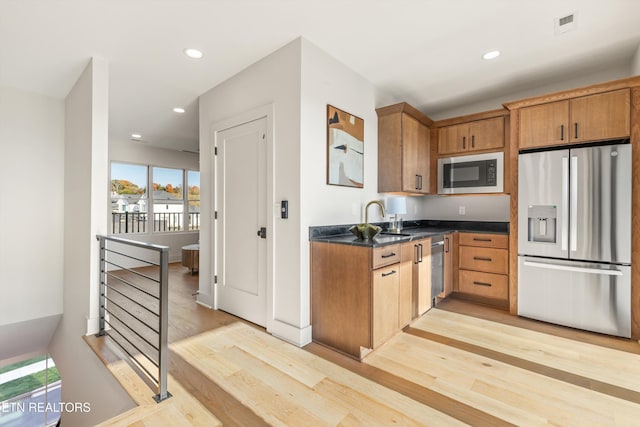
(193, 198)
(168, 199)
(30, 393)
(128, 198)
(134, 209)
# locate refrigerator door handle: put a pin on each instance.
(573, 268)
(565, 209)
(573, 238)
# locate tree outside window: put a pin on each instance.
(193, 198)
(168, 199)
(128, 198)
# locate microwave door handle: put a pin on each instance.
(564, 236)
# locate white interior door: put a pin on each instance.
(241, 195)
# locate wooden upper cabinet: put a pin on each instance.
(602, 116)
(453, 139)
(487, 134)
(587, 118)
(403, 150)
(545, 124)
(472, 136)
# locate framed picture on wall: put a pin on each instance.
(345, 148)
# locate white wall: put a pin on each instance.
(327, 81)
(31, 220)
(84, 376)
(274, 80)
(614, 72)
(635, 63)
(136, 152)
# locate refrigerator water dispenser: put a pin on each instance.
(542, 223)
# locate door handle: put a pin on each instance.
(446, 247)
(262, 232)
(417, 255)
(417, 182)
(477, 258)
(389, 273)
(473, 141)
(478, 239)
(389, 255)
(561, 132)
(573, 268)
(464, 142)
(575, 130)
(420, 244)
(573, 208)
(564, 234)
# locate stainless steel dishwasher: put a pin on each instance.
(437, 267)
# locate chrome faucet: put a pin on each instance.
(366, 210)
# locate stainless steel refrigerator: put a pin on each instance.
(574, 237)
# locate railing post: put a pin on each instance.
(102, 285)
(164, 326)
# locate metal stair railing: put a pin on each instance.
(134, 303)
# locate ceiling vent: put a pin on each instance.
(566, 23)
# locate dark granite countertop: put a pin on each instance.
(413, 230)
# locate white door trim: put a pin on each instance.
(268, 112)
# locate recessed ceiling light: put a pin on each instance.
(178, 110)
(193, 53)
(491, 55)
(136, 136)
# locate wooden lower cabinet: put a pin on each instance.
(416, 277)
(357, 295)
(385, 303)
(405, 299)
(450, 249)
(483, 268)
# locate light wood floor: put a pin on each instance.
(459, 364)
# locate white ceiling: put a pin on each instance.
(426, 52)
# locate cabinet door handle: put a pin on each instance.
(481, 239)
(416, 253)
(446, 246)
(388, 255)
(482, 284)
(561, 132)
(575, 130)
(478, 258)
(473, 141)
(417, 182)
(464, 142)
(389, 273)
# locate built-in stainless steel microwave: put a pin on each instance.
(478, 173)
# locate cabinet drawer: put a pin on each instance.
(484, 284)
(484, 240)
(385, 255)
(489, 260)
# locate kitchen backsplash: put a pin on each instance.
(466, 208)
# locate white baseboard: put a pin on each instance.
(93, 325)
(296, 336)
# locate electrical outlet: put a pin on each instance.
(462, 210)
